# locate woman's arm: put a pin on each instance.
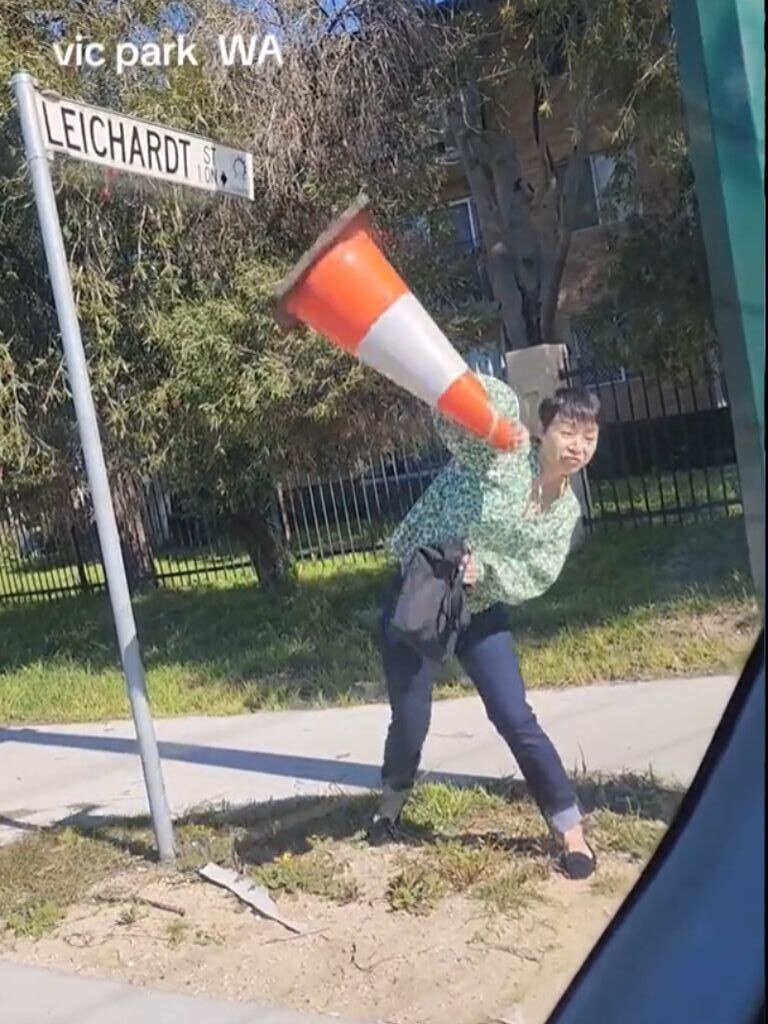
(468, 449)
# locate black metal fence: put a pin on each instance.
(666, 455)
(666, 451)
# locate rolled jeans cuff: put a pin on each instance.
(565, 820)
(392, 802)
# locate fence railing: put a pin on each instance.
(666, 454)
(666, 451)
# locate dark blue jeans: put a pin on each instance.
(486, 652)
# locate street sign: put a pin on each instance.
(139, 147)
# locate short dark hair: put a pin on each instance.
(570, 404)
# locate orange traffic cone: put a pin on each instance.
(345, 289)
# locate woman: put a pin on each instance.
(517, 512)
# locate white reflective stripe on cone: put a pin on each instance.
(406, 345)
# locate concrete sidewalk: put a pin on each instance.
(50, 773)
(29, 995)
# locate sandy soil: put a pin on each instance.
(362, 961)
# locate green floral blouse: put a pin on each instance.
(482, 496)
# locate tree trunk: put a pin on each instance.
(129, 501)
(525, 261)
(261, 533)
(558, 203)
(496, 245)
(513, 196)
(551, 289)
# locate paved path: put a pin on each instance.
(29, 995)
(50, 773)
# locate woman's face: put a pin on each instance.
(567, 446)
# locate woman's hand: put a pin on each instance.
(469, 570)
(521, 439)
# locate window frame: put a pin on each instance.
(474, 227)
(604, 219)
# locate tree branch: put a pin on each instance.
(551, 287)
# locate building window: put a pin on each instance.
(453, 229)
(592, 204)
(463, 218)
(464, 226)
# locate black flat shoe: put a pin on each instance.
(578, 866)
(381, 831)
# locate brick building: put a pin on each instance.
(595, 223)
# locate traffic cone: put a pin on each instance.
(345, 289)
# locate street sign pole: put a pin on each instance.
(23, 86)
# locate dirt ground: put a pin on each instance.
(464, 920)
(361, 960)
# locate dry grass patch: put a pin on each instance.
(515, 888)
(42, 874)
(487, 843)
(628, 834)
(464, 918)
(611, 882)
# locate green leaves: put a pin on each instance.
(656, 311)
(191, 375)
(174, 290)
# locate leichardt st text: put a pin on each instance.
(254, 51)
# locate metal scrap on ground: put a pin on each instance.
(255, 896)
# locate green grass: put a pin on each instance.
(514, 888)
(487, 843)
(629, 834)
(317, 873)
(630, 604)
(490, 842)
(417, 890)
(628, 817)
(635, 496)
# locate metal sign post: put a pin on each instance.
(722, 72)
(37, 159)
(99, 136)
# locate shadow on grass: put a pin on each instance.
(498, 813)
(616, 573)
(322, 638)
